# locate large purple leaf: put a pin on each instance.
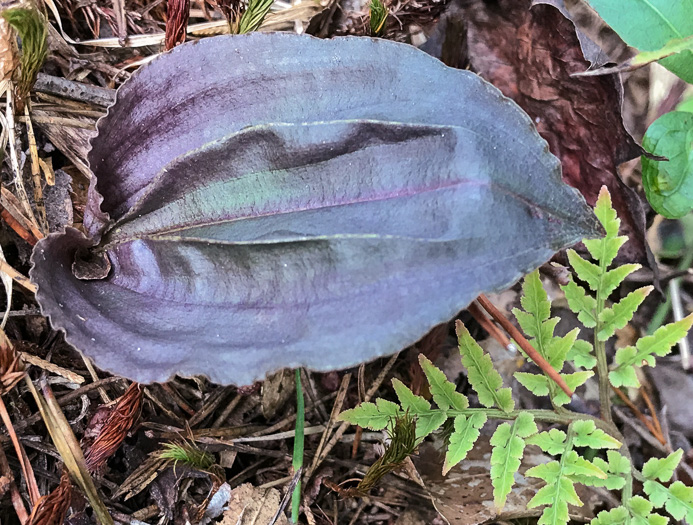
(278, 200)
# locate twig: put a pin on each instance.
(74, 90)
(677, 310)
(653, 412)
(490, 328)
(18, 180)
(35, 171)
(18, 277)
(51, 367)
(524, 344)
(640, 415)
(95, 377)
(15, 496)
(28, 472)
(12, 205)
(336, 409)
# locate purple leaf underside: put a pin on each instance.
(288, 201)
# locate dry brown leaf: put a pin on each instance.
(277, 389)
(251, 505)
(8, 50)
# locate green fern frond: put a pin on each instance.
(508, 442)
(485, 380)
(643, 353)
(662, 469)
(374, 416)
(443, 391)
(676, 499)
(581, 354)
(465, 434)
(620, 314)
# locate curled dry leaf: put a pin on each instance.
(11, 365)
(273, 200)
(530, 53)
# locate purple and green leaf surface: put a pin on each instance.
(272, 200)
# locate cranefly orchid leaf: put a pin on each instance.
(272, 200)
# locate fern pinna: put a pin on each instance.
(610, 465)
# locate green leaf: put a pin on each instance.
(624, 374)
(462, 439)
(539, 384)
(606, 248)
(373, 416)
(558, 492)
(621, 313)
(677, 499)
(673, 47)
(649, 25)
(534, 299)
(587, 435)
(669, 183)
(485, 380)
(535, 383)
(641, 511)
(581, 354)
(585, 270)
(613, 278)
(582, 304)
(443, 391)
(574, 380)
(645, 350)
(558, 348)
(410, 402)
(508, 447)
(662, 469)
(617, 516)
(616, 469)
(552, 442)
(430, 422)
(574, 465)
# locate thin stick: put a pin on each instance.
(35, 171)
(28, 472)
(524, 344)
(491, 328)
(18, 277)
(18, 181)
(653, 412)
(95, 377)
(16, 497)
(658, 436)
(12, 205)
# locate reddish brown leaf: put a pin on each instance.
(177, 15)
(529, 53)
(123, 417)
(51, 509)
